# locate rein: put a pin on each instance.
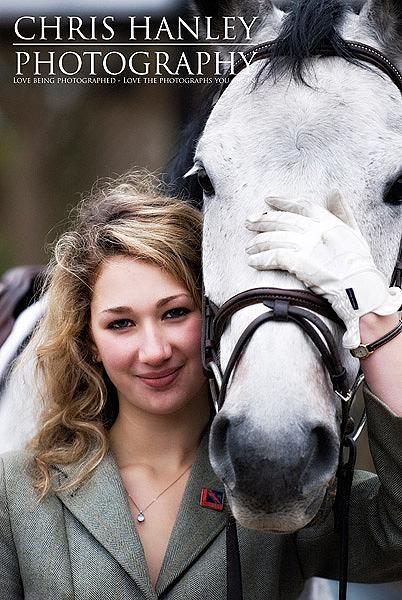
(303, 308)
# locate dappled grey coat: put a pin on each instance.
(84, 545)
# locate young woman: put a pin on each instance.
(106, 502)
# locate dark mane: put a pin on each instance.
(310, 26)
(174, 184)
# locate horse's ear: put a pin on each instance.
(357, 5)
(230, 8)
(385, 17)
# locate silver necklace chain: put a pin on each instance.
(141, 516)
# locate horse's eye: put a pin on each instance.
(205, 182)
(394, 193)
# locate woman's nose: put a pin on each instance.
(155, 346)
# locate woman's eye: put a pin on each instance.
(120, 324)
(205, 182)
(175, 313)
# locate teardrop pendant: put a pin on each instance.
(140, 517)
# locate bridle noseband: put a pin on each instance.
(305, 309)
(299, 306)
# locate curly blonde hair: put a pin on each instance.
(128, 216)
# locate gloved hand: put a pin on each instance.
(326, 251)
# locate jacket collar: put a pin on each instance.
(101, 505)
(195, 523)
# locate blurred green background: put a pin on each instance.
(56, 140)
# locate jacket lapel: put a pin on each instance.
(101, 505)
(195, 523)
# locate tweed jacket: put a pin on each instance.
(84, 545)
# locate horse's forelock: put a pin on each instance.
(309, 26)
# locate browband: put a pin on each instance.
(357, 50)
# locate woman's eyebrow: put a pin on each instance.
(116, 309)
(159, 304)
(164, 301)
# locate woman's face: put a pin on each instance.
(146, 330)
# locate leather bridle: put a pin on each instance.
(305, 309)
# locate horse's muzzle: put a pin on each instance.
(275, 470)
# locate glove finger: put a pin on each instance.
(277, 259)
(301, 206)
(277, 221)
(274, 239)
(338, 207)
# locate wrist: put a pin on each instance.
(373, 326)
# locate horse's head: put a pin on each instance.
(310, 126)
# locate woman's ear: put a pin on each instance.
(95, 358)
(94, 353)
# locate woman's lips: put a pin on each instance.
(161, 379)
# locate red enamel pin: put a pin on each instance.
(212, 499)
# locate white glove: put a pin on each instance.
(327, 253)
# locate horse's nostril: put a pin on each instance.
(324, 443)
(321, 456)
(218, 439)
(219, 452)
